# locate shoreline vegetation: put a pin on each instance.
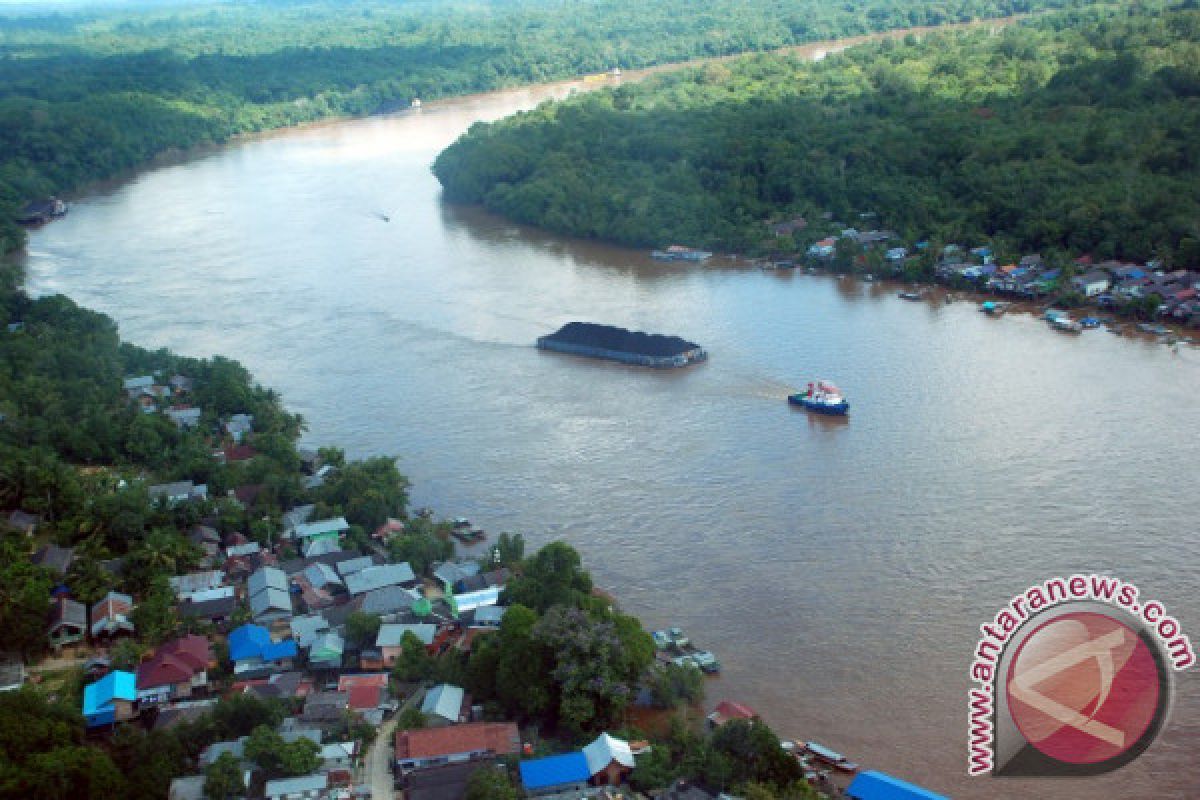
(1065, 139)
(90, 94)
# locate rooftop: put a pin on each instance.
(543, 773)
(373, 578)
(392, 634)
(500, 738)
(873, 785)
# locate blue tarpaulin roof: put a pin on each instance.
(874, 785)
(543, 773)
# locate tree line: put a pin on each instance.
(1071, 132)
(89, 94)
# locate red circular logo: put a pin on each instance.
(1083, 688)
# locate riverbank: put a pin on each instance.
(307, 115)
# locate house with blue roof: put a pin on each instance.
(606, 761)
(554, 774)
(252, 651)
(874, 785)
(111, 699)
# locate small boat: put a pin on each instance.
(829, 757)
(993, 308)
(909, 295)
(1066, 325)
(822, 397)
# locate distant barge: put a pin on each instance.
(618, 344)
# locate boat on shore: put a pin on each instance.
(465, 532)
(823, 398)
(678, 252)
(618, 344)
(830, 758)
(993, 308)
(676, 648)
(1066, 325)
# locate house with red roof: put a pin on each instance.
(110, 617)
(727, 710)
(176, 670)
(454, 744)
(367, 691)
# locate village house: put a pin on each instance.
(390, 639)
(391, 527)
(282, 685)
(208, 540)
(177, 670)
(178, 492)
(267, 592)
(607, 761)
(294, 517)
(788, 227)
(306, 629)
(378, 577)
(54, 558)
(111, 699)
(194, 583)
(215, 606)
(326, 650)
(21, 521)
(432, 747)
(238, 426)
(367, 694)
(451, 572)
(470, 601)
(389, 601)
(67, 623)
(305, 787)
(325, 709)
(338, 756)
(873, 785)
(184, 417)
(110, 616)
(325, 529)
(445, 705)
(488, 617)
(254, 652)
(1092, 283)
(727, 710)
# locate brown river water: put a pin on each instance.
(839, 569)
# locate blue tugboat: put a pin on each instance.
(822, 397)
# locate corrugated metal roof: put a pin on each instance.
(373, 578)
(444, 701)
(391, 635)
(875, 785)
(605, 750)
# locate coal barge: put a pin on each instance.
(618, 344)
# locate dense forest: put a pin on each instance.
(88, 94)
(1075, 131)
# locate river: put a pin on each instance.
(840, 570)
